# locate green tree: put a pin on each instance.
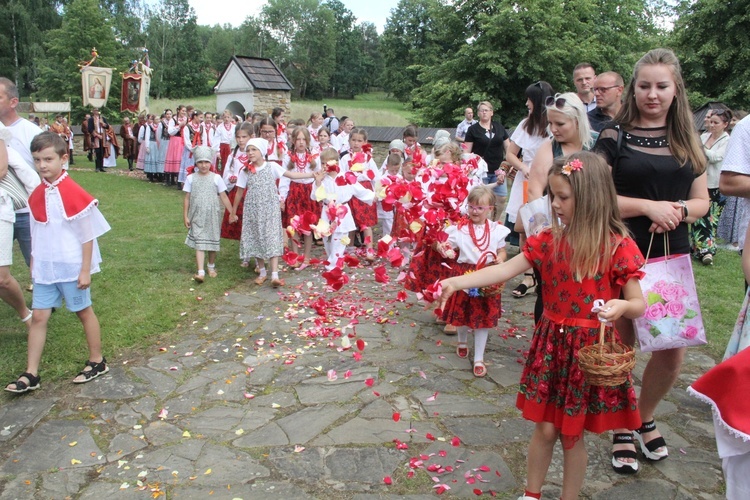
(712, 39)
(176, 52)
(408, 44)
(22, 33)
(306, 29)
(511, 45)
(84, 26)
(372, 57)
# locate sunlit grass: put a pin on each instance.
(375, 109)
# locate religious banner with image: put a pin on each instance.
(96, 82)
(135, 89)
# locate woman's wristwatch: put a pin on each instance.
(685, 211)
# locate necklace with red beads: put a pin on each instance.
(483, 242)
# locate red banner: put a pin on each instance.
(132, 90)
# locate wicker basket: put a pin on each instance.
(606, 364)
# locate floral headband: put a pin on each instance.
(572, 166)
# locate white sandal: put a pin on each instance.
(28, 318)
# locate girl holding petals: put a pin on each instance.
(479, 242)
(336, 217)
(295, 195)
(359, 161)
(586, 255)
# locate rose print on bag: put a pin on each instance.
(667, 311)
(672, 317)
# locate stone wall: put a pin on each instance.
(265, 100)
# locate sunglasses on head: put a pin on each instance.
(556, 101)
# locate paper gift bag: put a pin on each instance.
(673, 316)
(535, 216)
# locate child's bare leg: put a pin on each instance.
(308, 246)
(10, 292)
(93, 338)
(368, 237)
(575, 459)
(37, 338)
(200, 258)
(540, 455)
(274, 265)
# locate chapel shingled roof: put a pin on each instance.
(262, 73)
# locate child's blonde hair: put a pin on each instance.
(452, 147)
(313, 116)
(328, 154)
(595, 229)
(481, 193)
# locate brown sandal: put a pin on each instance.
(260, 280)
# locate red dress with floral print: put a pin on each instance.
(552, 385)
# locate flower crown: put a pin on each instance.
(572, 166)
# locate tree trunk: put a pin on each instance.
(17, 69)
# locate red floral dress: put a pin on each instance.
(552, 384)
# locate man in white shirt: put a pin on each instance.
(464, 125)
(583, 79)
(23, 132)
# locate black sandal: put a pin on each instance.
(523, 290)
(96, 370)
(22, 387)
(649, 449)
(624, 467)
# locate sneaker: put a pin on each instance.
(708, 259)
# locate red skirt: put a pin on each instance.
(233, 231)
(364, 215)
(474, 312)
(426, 267)
(553, 388)
(298, 201)
(400, 224)
(224, 152)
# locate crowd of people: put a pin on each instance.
(617, 165)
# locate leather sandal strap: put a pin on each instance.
(623, 438)
(655, 444)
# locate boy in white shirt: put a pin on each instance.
(65, 223)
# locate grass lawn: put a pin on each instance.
(375, 109)
(144, 290)
(144, 286)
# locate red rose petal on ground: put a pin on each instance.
(455, 441)
(401, 296)
(430, 437)
(396, 416)
(387, 480)
(477, 491)
(369, 382)
(361, 344)
(484, 468)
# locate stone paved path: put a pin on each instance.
(247, 406)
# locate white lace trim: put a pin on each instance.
(717, 414)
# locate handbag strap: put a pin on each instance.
(666, 246)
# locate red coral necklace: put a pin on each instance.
(483, 242)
